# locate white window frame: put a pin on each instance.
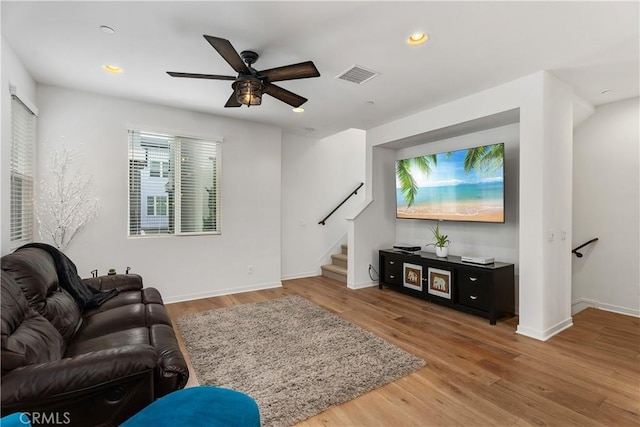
(21, 166)
(162, 170)
(156, 201)
(177, 139)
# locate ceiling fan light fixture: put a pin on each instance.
(249, 91)
(251, 84)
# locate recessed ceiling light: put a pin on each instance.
(114, 69)
(298, 110)
(107, 30)
(417, 38)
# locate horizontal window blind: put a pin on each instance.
(173, 184)
(198, 185)
(23, 123)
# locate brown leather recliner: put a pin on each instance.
(96, 366)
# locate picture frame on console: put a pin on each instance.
(412, 276)
(439, 282)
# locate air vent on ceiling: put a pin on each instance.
(356, 74)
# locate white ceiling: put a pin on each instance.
(594, 46)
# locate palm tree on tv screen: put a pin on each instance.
(487, 159)
(408, 185)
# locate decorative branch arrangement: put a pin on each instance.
(66, 204)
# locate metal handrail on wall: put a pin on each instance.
(578, 254)
(324, 220)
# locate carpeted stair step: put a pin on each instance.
(334, 272)
(340, 260)
(344, 248)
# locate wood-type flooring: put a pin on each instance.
(476, 374)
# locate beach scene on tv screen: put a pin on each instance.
(463, 185)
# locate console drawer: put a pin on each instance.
(393, 271)
(472, 277)
(475, 294)
(392, 278)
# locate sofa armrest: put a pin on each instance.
(122, 282)
(44, 381)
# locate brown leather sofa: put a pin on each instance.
(86, 366)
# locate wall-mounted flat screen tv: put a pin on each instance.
(462, 185)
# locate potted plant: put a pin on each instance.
(442, 242)
(112, 272)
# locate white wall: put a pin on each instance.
(557, 184)
(373, 227)
(13, 73)
(545, 106)
(317, 174)
(180, 267)
(606, 204)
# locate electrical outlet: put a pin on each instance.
(249, 269)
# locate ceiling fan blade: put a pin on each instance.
(226, 50)
(200, 76)
(232, 101)
(284, 95)
(303, 70)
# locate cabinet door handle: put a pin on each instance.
(473, 297)
(473, 279)
(391, 262)
(392, 277)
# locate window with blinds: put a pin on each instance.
(173, 185)
(23, 123)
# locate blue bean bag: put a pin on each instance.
(199, 406)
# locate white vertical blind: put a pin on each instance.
(173, 184)
(23, 122)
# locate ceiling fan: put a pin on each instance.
(250, 83)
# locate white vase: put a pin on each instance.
(442, 252)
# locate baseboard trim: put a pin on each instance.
(584, 303)
(529, 332)
(362, 285)
(302, 275)
(221, 292)
(547, 333)
(557, 328)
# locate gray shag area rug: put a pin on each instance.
(294, 358)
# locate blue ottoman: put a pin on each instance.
(17, 419)
(199, 406)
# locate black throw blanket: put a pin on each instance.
(85, 296)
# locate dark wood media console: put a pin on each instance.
(484, 290)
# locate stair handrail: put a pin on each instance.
(578, 254)
(324, 220)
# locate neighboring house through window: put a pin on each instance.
(23, 129)
(173, 185)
